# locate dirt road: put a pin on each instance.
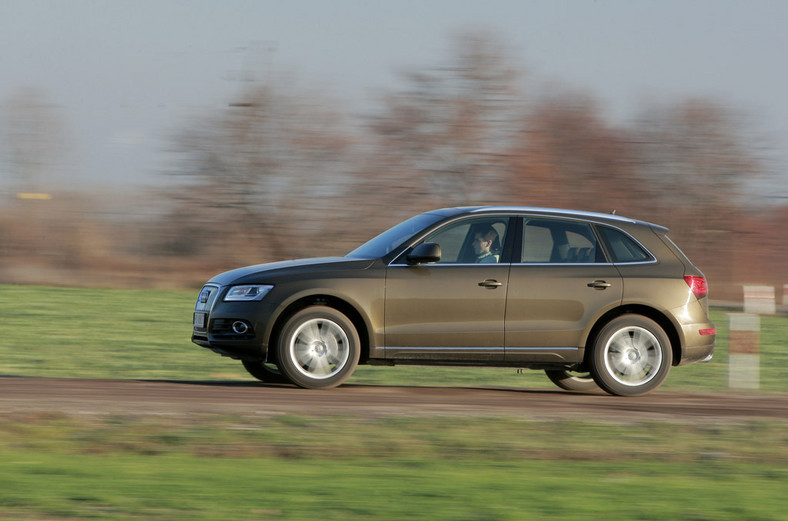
(77, 396)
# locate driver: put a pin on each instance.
(482, 245)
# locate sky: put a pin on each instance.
(125, 76)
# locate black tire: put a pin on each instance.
(631, 356)
(264, 372)
(572, 381)
(318, 348)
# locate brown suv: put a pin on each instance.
(592, 299)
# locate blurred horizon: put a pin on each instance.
(195, 137)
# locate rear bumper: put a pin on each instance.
(699, 342)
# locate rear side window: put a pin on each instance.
(559, 242)
(623, 248)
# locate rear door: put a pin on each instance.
(561, 283)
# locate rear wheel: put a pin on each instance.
(572, 381)
(264, 372)
(631, 356)
(318, 348)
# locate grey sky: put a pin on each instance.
(125, 75)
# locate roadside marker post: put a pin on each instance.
(744, 363)
(785, 294)
(759, 299)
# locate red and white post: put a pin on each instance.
(744, 364)
(759, 299)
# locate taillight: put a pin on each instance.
(697, 285)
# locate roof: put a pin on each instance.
(543, 211)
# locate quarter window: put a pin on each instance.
(622, 248)
(559, 242)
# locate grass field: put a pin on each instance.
(351, 468)
(256, 467)
(103, 333)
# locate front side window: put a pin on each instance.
(552, 241)
(472, 241)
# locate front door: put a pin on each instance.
(452, 309)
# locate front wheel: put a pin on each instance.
(572, 381)
(318, 348)
(631, 356)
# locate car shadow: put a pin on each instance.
(258, 384)
(527, 390)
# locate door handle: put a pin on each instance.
(490, 283)
(599, 284)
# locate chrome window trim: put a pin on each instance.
(542, 264)
(589, 218)
(654, 261)
(636, 263)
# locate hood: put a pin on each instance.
(263, 273)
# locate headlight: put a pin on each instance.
(247, 293)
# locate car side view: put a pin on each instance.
(595, 300)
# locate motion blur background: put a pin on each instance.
(155, 143)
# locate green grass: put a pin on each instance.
(175, 488)
(100, 333)
(348, 468)
(260, 467)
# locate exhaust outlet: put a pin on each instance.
(240, 327)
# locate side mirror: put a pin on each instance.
(424, 253)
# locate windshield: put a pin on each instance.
(387, 241)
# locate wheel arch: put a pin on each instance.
(332, 301)
(649, 312)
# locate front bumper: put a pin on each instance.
(245, 347)
(232, 329)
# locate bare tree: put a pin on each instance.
(260, 177)
(694, 153)
(451, 125)
(569, 156)
(697, 162)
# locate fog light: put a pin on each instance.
(240, 327)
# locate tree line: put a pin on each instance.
(285, 172)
